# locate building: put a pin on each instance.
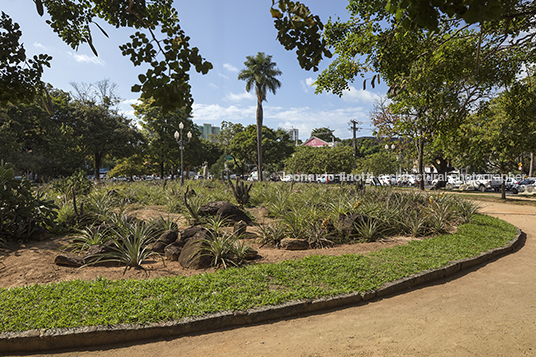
(208, 131)
(294, 135)
(313, 141)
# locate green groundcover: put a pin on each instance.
(105, 302)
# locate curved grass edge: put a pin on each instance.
(60, 338)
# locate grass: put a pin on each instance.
(104, 302)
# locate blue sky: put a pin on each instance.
(225, 33)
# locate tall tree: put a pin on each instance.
(159, 128)
(325, 134)
(260, 73)
(101, 129)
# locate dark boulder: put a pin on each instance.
(69, 261)
(194, 254)
(173, 251)
(294, 244)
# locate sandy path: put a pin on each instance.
(490, 311)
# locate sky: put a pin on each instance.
(225, 32)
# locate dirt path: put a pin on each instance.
(490, 311)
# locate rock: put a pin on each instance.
(294, 244)
(233, 213)
(188, 233)
(39, 234)
(158, 247)
(166, 238)
(173, 251)
(347, 222)
(69, 261)
(193, 255)
(239, 228)
(96, 253)
(211, 208)
(250, 254)
(224, 209)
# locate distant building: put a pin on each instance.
(313, 141)
(294, 135)
(207, 131)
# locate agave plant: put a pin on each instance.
(466, 210)
(169, 223)
(90, 236)
(369, 229)
(414, 224)
(132, 245)
(217, 224)
(317, 236)
(221, 249)
(272, 233)
(440, 215)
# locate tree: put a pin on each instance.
(168, 54)
(325, 134)
(260, 73)
(311, 160)
(159, 127)
(158, 42)
(497, 135)
(20, 76)
(276, 146)
(40, 139)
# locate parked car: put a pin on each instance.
(484, 182)
(521, 186)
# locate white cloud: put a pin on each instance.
(212, 85)
(230, 67)
(307, 84)
(214, 113)
(233, 97)
(359, 95)
(40, 46)
(130, 101)
(86, 58)
(223, 75)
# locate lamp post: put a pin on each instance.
(181, 142)
(389, 149)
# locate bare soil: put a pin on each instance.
(33, 262)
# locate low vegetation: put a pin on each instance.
(104, 302)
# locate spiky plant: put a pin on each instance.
(90, 236)
(439, 215)
(466, 210)
(216, 224)
(131, 245)
(415, 224)
(317, 236)
(369, 229)
(272, 233)
(221, 249)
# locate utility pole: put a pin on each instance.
(354, 129)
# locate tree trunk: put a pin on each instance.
(259, 137)
(162, 169)
(531, 167)
(503, 185)
(420, 162)
(97, 161)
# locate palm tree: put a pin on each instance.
(260, 72)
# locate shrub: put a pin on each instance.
(21, 210)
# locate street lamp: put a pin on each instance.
(181, 142)
(389, 149)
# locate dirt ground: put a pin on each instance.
(487, 311)
(33, 262)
